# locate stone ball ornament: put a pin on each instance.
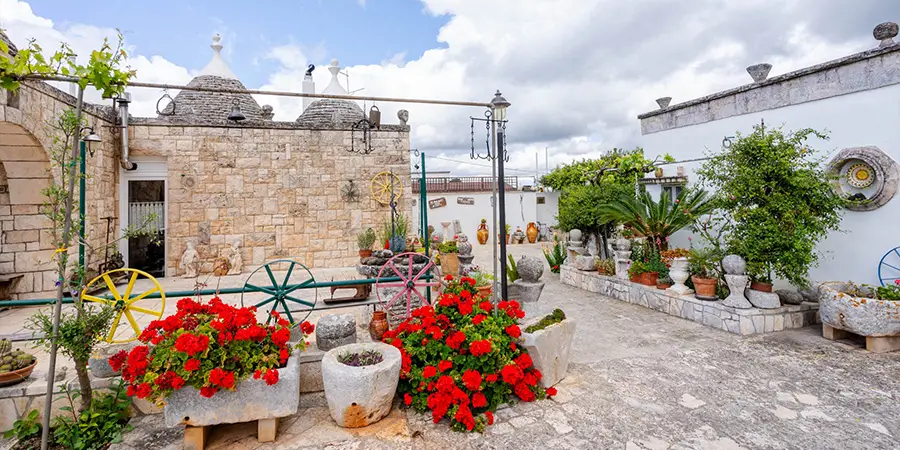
(866, 176)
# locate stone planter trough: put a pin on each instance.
(842, 314)
(251, 400)
(549, 350)
(360, 396)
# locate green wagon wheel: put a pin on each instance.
(281, 285)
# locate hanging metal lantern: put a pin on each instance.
(374, 116)
(236, 114)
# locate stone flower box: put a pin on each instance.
(360, 396)
(549, 350)
(251, 400)
(843, 313)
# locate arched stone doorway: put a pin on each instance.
(26, 247)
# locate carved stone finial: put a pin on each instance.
(663, 102)
(403, 115)
(759, 72)
(886, 32)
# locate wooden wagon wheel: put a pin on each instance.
(411, 281)
(381, 187)
(280, 289)
(889, 267)
(125, 303)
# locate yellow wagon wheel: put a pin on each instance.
(127, 304)
(381, 187)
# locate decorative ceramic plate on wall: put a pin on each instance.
(860, 175)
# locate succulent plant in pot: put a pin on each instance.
(15, 365)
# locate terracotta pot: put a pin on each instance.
(601, 271)
(450, 264)
(531, 232)
(378, 326)
(365, 253)
(16, 376)
(484, 291)
(704, 287)
(658, 172)
(483, 234)
(760, 286)
(634, 278)
(663, 285)
(507, 238)
(648, 278)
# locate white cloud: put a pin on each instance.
(576, 71)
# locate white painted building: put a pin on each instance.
(468, 200)
(855, 99)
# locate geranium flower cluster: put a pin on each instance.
(460, 360)
(210, 346)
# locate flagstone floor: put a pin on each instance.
(639, 380)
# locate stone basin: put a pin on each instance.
(858, 314)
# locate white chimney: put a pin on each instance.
(309, 87)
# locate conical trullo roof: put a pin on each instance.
(214, 106)
(329, 111)
(12, 47)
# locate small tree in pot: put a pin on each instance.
(365, 240)
(705, 270)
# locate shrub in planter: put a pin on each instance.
(861, 309)
(365, 240)
(640, 272)
(360, 382)
(605, 266)
(704, 266)
(202, 358)
(549, 342)
(460, 361)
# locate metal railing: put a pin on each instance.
(464, 184)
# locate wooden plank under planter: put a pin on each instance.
(251, 400)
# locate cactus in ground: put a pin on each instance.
(5, 346)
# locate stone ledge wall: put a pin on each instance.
(712, 314)
(860, 72)
(277, 191)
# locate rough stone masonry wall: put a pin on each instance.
(712, 314)
(25, 142)
(276, 190)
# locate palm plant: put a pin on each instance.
(657, 220)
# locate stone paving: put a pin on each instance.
(639, 380)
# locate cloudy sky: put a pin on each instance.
(577, 72)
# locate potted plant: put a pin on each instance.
(605, 266)
(483, 283)
(664, 283)
(548, 342)
(15, 365)
(704, 267)
(394, 234)
(449, 257)
(460, 361)
(213, 363)
(862, 310)
(365, 240)
(760, 276)
(507, 228)
(360, 382)
(640, 272)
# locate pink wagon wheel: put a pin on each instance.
(402, 280)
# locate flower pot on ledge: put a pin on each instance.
(760, 286)
(251, 400)
(648, 278)
(704, 287)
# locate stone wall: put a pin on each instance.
(712, 314)
(863, 71)
(277, 189)
(25, 145)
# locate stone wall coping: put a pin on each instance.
(847, 60)
(104, 113)
(254, 124)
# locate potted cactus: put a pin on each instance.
(15, 365)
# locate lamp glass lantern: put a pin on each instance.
(500, 105)
(90, 138)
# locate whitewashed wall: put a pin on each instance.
(521, 208)
(868, 118)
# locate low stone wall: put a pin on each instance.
(712, 314)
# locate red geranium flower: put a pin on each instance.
(208, 391)
(514, 331)
(486, 306)
(118, 360)
(479, 400)
(551, 391)
(429, 372)
(444, 365)
(271, 377)
(143, 390)
(490, 417)
(511, 374)
(492, 378)
(472, 380)
(524, 361)
(478, 319)
(307, 328)
(281, 337)
(456, 339)
(191, 365)
(479, 348)
(407, 399)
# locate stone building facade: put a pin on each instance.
(273, 187)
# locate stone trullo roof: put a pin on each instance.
(330, 112)
(12, 47)
(212, 106)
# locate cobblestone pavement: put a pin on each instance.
(640, 380)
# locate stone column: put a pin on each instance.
(622, 249)
(734, 267)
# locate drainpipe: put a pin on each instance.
(123, 120)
